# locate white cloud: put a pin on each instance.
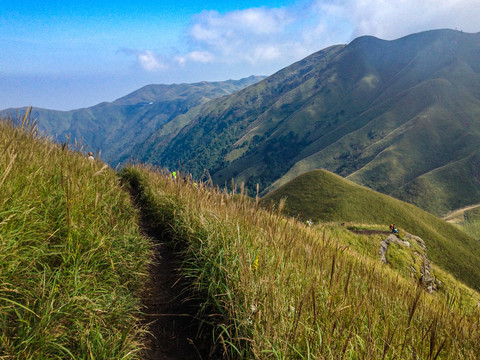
(269, 34)
(195, 56)
(211, 26)
(263, 40)
(265, 53)
(393, 19)
(250, 35)
(150, 61)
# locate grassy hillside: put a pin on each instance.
(449, 187)
(468, 219)
(73, 264)
(383, 113)
(72, 260)
(324, 196)
(278, 289)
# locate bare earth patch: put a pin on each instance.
(171, 314)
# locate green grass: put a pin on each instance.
(72, 259)
(73, 264)
(323, 196)
(468, 219)
(276, 289)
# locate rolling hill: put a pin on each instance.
(401, 117)
(115, 128)
(326, 197)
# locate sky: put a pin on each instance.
(70, 54)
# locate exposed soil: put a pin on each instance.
(170, 314)
(175, 332)
(457, 216)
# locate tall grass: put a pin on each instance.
(276, 289)
(72, 259)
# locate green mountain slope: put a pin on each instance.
(115, 128)
(324, 196)
(383, 113)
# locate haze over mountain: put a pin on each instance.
(114, 128)
(400, 116)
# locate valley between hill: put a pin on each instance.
(400, 116)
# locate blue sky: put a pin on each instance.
(70, 54)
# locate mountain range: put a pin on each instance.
(401, 117)
(114, 128)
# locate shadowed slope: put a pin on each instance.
(383, 113)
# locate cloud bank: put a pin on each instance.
(260, 37)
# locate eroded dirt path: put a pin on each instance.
(369, 232)
(170, 312)
(457, 216)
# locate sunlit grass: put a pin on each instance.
(277, 289)
(324, 196)
(72, 260)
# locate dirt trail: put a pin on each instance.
(369, 231)
(170, 314)
(456, 216)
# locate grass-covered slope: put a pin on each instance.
(468, 219)
(277, 289)
(72, 260)
(452, 186)
(324, 196)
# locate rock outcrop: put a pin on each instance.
(384, 246)
(426, 279)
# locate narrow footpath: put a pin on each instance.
(169, 310)
(170, 315)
